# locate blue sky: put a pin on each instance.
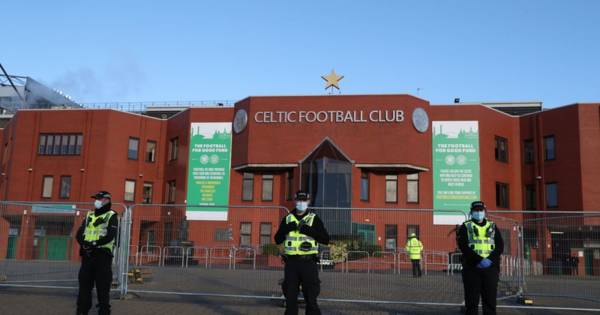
(202, 50)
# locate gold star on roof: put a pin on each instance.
(332, 80)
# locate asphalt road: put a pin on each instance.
(338, 289)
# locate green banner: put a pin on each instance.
(208, 171)
(455, 168)
(54, 208)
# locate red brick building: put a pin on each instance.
(543, 160)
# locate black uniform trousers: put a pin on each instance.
(416, 267)
(480, 282)
(301, 270)
(95, 269)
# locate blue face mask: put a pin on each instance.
(478, 215)
(301, 205)
(98, 204)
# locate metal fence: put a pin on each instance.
(38, 246)
(161, 250)
(562, 247)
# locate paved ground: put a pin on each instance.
(435, 287)
(35, 302)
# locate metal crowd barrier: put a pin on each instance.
(173, 253)
(547, 254)
(39, 247)
(152, 253)
(195, 250)
(248, 254)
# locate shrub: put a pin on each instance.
(338, 251)
(271, 249)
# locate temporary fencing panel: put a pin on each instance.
(177, 255)
(44, 252)
(561, 259)
(547, 254)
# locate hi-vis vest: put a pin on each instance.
(294, 238)
(93, 233)
(414, 248)
(481, 238)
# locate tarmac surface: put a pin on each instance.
(35, 302)
(341, 292)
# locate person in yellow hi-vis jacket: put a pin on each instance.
(96, 238)
(481, 245)
(301, 232)
(414, 248)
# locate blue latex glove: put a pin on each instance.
(484, 263)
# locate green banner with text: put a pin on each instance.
(209, 166)
(455, 169)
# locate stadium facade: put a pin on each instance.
(348, 151)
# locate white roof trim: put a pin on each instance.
(418, 168)
(265, 166)
(321, 143)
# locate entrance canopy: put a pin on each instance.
(393, 168)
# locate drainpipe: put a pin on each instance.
(540, 178)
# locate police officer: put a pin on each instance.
(96, 238)
(414, 248)
(481, 245)
(301, 231)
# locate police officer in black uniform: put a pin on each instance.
(96, 238)
(300, 232)
(481, 245)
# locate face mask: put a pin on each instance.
(301, 206)
(98, 204)
(478, 215)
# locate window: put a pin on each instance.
(528, 151)
(129, 190)
(170, 191)
(47, 186)
(173, 147)
(223, 234)
(289, 193)
(412, 228)
(530, 198)
(49, 144)
(247, 186)
(501, 150)
(549, 148)
(150, 151)
(265, 233)
(267, 187)
(56, 149)
(147, 193)
(79, 144)
(60, 144)
(391, 188)
(391, 236)
(551, 195)
(132, 150)
(412, 188)
(42, 145)
(64, 145)
(245, 234)
(364, 186)
(65, 187)
(502, 195)
(72, 144)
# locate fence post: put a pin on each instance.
(521, 259)
(124, 247)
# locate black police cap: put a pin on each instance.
(102, 194)
(477, 205)
(302, 196)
